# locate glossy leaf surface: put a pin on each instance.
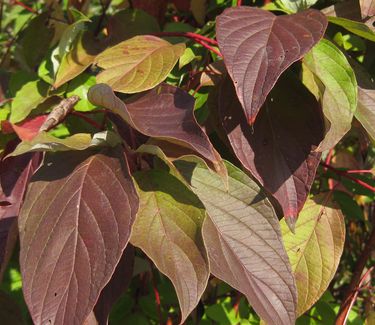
(72, 240)
(138, 64)
(168, 230)
(315, 249)
(279, 150)
(339, 96)
(243, 240)
(258, 46)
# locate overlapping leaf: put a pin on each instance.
(165, 112)
(279, 150)
(366, 110)
(168, 230)
(79, 141)
(339, 97)
(355, 27)
(73, 238)
(258, 46)
(138, 64)
(243, 240)
(315, 249)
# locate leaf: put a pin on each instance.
(315, 249)
(29, 128)
(80, 86)
(80, 141)
(279, 150)
(15, 173)
(298, 5)
(74, 226)
(354, 27)
(127, 23)
(367, 8)
(165, 112)
(243, 240)
(155, 8)
(10, 312)
(168, 230)
(258, 46)
(81, 56)
(116, 286)
(27, 98)
(198, 9)
(366, 110)
(339, 98)
(138, 64)
(346, 9)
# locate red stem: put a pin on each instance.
(208, 47)
(191, 35)
(19, 3)
(239, 3)
(354, 171)
(345, 174)
(156, 292)
(87, 119)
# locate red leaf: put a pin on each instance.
(29, 128)
(74, 226)
(15, 173)
(258, 46)
(279, 152)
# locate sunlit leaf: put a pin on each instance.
(339, 96)
(279, 150)
(28, 98)
(258, 46)
(80, 86)
(315, 248)
(73, 238)
(298, 5)
(138, 64)
(243, 240)
(355, 27)
(168, 230)
(80, 141)
(29, 128)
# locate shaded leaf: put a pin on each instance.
(168, 230)
(155, 8)
(116, 286)
(279, 150)
(10, 312)
(315, 249)
(258, 46)
(348, 9)
(355, 27)
(27, 98)
(243, 240)
(80, 141)
(198, 9)
(129, 23)
(81, 55)
(138, 64)
(69, 249)
(15, 173)
(339, 96)
(165, 112)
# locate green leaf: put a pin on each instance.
(138, 64)
(297, 5)
(243, 240)
(186, 58)
(80, 141)
(315, 249)
(355, 27)
(27, 98)
(80, 86)
(48, 68)
(339, 96)
(168, 230)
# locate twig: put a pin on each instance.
(21, 4)
(346, 175)
(87, 119)
(103, 15)
(193, 36)
(157, 295)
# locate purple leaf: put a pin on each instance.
(258, 47)
(15, 173)
(279, 150)
(116, 286)
(74, 225)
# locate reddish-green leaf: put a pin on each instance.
(279, 150)
(168, 230)
(29, 128)
(366, 110)
(165, 112)
(138, 64)
(74, 226)
(243, 240)
(315, 249)
(258, 46)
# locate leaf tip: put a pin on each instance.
(291, 222)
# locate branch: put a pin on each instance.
(346, 175)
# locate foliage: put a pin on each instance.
(187, 161)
